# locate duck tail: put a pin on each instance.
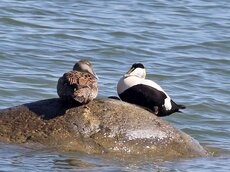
(181, 107)
(177, 107)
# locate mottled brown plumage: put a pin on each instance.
(79, 85)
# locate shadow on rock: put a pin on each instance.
(104, 126)
(50, 108)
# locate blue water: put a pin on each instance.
(185, 46)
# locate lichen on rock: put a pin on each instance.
(102, 126)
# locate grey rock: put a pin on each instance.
(104, 126)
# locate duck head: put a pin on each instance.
(84, 66)
(137, 70)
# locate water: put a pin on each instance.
(185, 46)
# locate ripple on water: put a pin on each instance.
(184, 46)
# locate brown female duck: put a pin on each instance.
(79, 85)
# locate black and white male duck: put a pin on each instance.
(79, 85)
(134, 88)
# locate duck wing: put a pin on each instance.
(144, 95)
(77, 85)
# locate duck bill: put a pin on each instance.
(129, 72)
(95, 75)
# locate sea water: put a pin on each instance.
(184, 45)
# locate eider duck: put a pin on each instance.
(134, 88)
(79, 85)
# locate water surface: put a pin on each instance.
(184, 45)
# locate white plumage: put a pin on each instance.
(134, 88)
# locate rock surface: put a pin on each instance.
(102, 126)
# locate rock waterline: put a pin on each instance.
(102, 126)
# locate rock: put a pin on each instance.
(102, 126)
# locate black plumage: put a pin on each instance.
(134, 88)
